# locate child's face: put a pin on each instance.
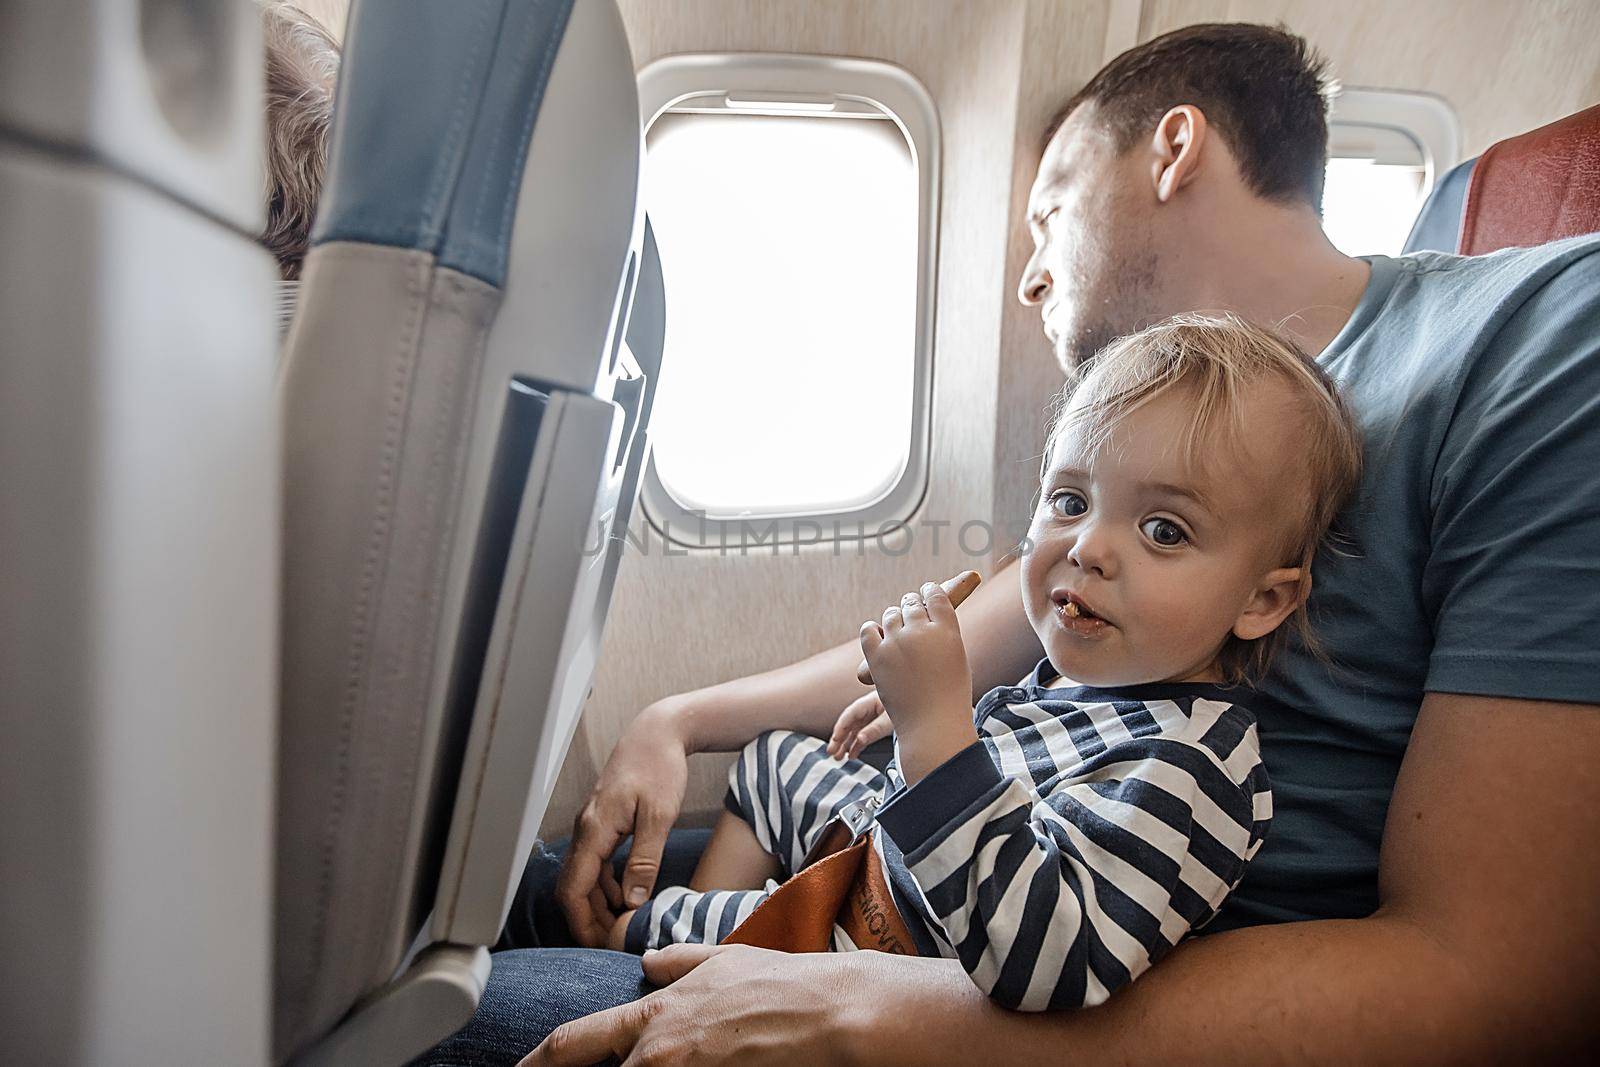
(1141, 564)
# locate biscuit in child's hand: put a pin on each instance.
(957, 589)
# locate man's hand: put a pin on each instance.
(920, 664)
(859, 725)
(639, 792)
(735, 1005)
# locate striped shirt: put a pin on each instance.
(1085, 834)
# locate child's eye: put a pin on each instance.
(1068, 505)
(1164, 532)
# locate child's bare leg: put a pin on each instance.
(617, 942)
(734, 859)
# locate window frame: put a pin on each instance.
(1425, 119)
(703, 82)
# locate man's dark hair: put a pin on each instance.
(1261, 87)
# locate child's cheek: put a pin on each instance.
(1178, 616)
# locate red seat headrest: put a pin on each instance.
(1541, 186)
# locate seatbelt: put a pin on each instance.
(840, 882)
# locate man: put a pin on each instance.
(1437, 795)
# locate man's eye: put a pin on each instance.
(1164, 532)
(1068, 505)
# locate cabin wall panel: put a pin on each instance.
(683, 622)
(1505, 66)
(1062, 46)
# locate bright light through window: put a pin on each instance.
(789, 249)
(1368, 207)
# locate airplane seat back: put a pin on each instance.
(1438, 224)
(138, 535)
(1540, 186)
(465, 392)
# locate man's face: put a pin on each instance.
(1093, 273)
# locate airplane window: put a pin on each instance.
(794, 202)
(789, 250)
(1368, 207)
(1386, 147)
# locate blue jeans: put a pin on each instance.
(539, 979)
(532, 991)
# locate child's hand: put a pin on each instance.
(859, 725)
(917, 658)
(958, 589)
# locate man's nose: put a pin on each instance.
(1035, 284)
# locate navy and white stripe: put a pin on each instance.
(787, 788)
(1076, 844)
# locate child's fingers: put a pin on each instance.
(611, 887)
(913, 609)
(871, 637)
(860, 711)
(939, 607)
(893, 620)
(872, 733)
(846, 725)
(961, 586)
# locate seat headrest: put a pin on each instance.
(1541, 186)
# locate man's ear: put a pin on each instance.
(1274, 600)
(1175, 149)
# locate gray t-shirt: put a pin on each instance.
(1476, 550)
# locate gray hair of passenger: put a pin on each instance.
(302, 61)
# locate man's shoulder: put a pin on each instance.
(1512, 275)
(1442, 315)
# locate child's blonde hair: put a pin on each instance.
(1216, 358)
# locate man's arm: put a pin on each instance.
(809, 695)
(640, 788)
(1486, 947)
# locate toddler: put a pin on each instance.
(1067, 832)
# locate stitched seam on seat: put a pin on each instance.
(419, 629)
(360, 634)
(440, 480)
